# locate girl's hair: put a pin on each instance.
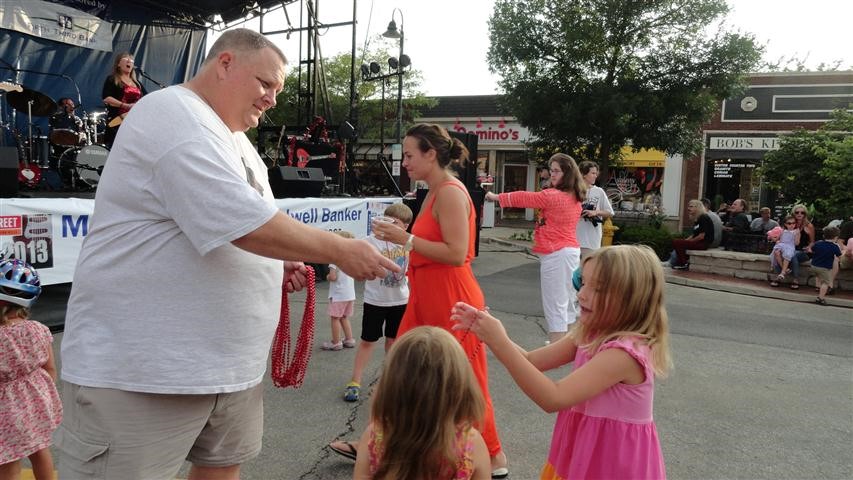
(8, 310)
(699, 206)
(629, 302)
(427, 391)
(572, 181)
(344, 233)
(789, 217)
(447, 149)
(117, 71)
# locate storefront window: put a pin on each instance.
(730, 178)
(635, 188)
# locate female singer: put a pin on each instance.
(121, 91)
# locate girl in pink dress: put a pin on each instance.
(604, 423)
(415, 433)
(30, 409)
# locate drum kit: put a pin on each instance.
(76, 156)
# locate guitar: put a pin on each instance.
(10, 87)
(117, 120)
(28, 174)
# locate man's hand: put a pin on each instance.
(295, 276)
(362, 261)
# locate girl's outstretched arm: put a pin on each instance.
(604, 370)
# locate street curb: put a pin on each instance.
(720, 286)
(754, 291)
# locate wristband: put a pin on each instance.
(410, 243)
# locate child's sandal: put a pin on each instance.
(795, 285)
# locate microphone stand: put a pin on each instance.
(145, 75)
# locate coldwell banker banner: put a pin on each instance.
(56, 22)
(48, 232)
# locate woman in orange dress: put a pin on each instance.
(442, 247)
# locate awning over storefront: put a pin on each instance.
(642, 158)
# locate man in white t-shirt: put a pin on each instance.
(177, 288)
(596, 208)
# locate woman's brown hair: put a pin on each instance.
(117, 71)
(447, 149)
(427, 391)
(572, 181)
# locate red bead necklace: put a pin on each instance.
(287, 371)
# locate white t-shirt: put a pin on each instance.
(393, 289)
(589, 236)
(342, 289)
(162, 302)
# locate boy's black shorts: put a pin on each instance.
(375, 316)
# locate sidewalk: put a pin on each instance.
(504, 230)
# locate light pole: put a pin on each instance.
(403, 61)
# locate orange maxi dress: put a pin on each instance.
(434, 288)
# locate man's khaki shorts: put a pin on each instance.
(111, 434)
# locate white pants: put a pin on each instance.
(558, 294)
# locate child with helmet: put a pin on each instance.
(30, 409)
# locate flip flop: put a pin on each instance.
(348, 451)
(501, 472)
(795, 286)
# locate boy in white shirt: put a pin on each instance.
(385, 300)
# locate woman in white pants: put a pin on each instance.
(554, 238)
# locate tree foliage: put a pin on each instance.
(591, 76)
(815, 167)
(368, 95)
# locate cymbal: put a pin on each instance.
(43, 105)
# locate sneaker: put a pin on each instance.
(352, 392)
(686, 266)
(349, 343)
(665, 264)
(820, 301)
(332, 346)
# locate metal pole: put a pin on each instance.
(400, 84)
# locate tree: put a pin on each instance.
(368, 95)
(815, 167)
(591, 76)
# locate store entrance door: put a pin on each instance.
(514, 179)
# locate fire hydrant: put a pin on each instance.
(608, 230)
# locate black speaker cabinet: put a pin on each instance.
(8, 172)
(295, 182)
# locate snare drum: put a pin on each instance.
(64, 137)
(85, 164)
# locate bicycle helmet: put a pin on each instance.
(19, 283)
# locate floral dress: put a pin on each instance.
(464, 468)
(30, 409)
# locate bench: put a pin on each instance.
(754, 266)
(747, 242)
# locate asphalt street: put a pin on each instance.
(762, 388)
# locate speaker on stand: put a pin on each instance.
(295, 182)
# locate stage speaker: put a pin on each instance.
(8, 172)
(295, 182)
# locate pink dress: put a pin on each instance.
(612, 435)
(463, 470)
(30, 409)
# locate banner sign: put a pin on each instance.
(48, 232)
(56, 22)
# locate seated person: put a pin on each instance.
(737, 221)
(701, 237)
(723, 212)
(716, 220)
(845, 241)
(764, 223)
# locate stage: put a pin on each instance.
(47, 231)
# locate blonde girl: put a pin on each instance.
(604, 425)
(30, 409)
(341, 303)
(415, 434)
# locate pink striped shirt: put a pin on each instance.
(560, 214)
